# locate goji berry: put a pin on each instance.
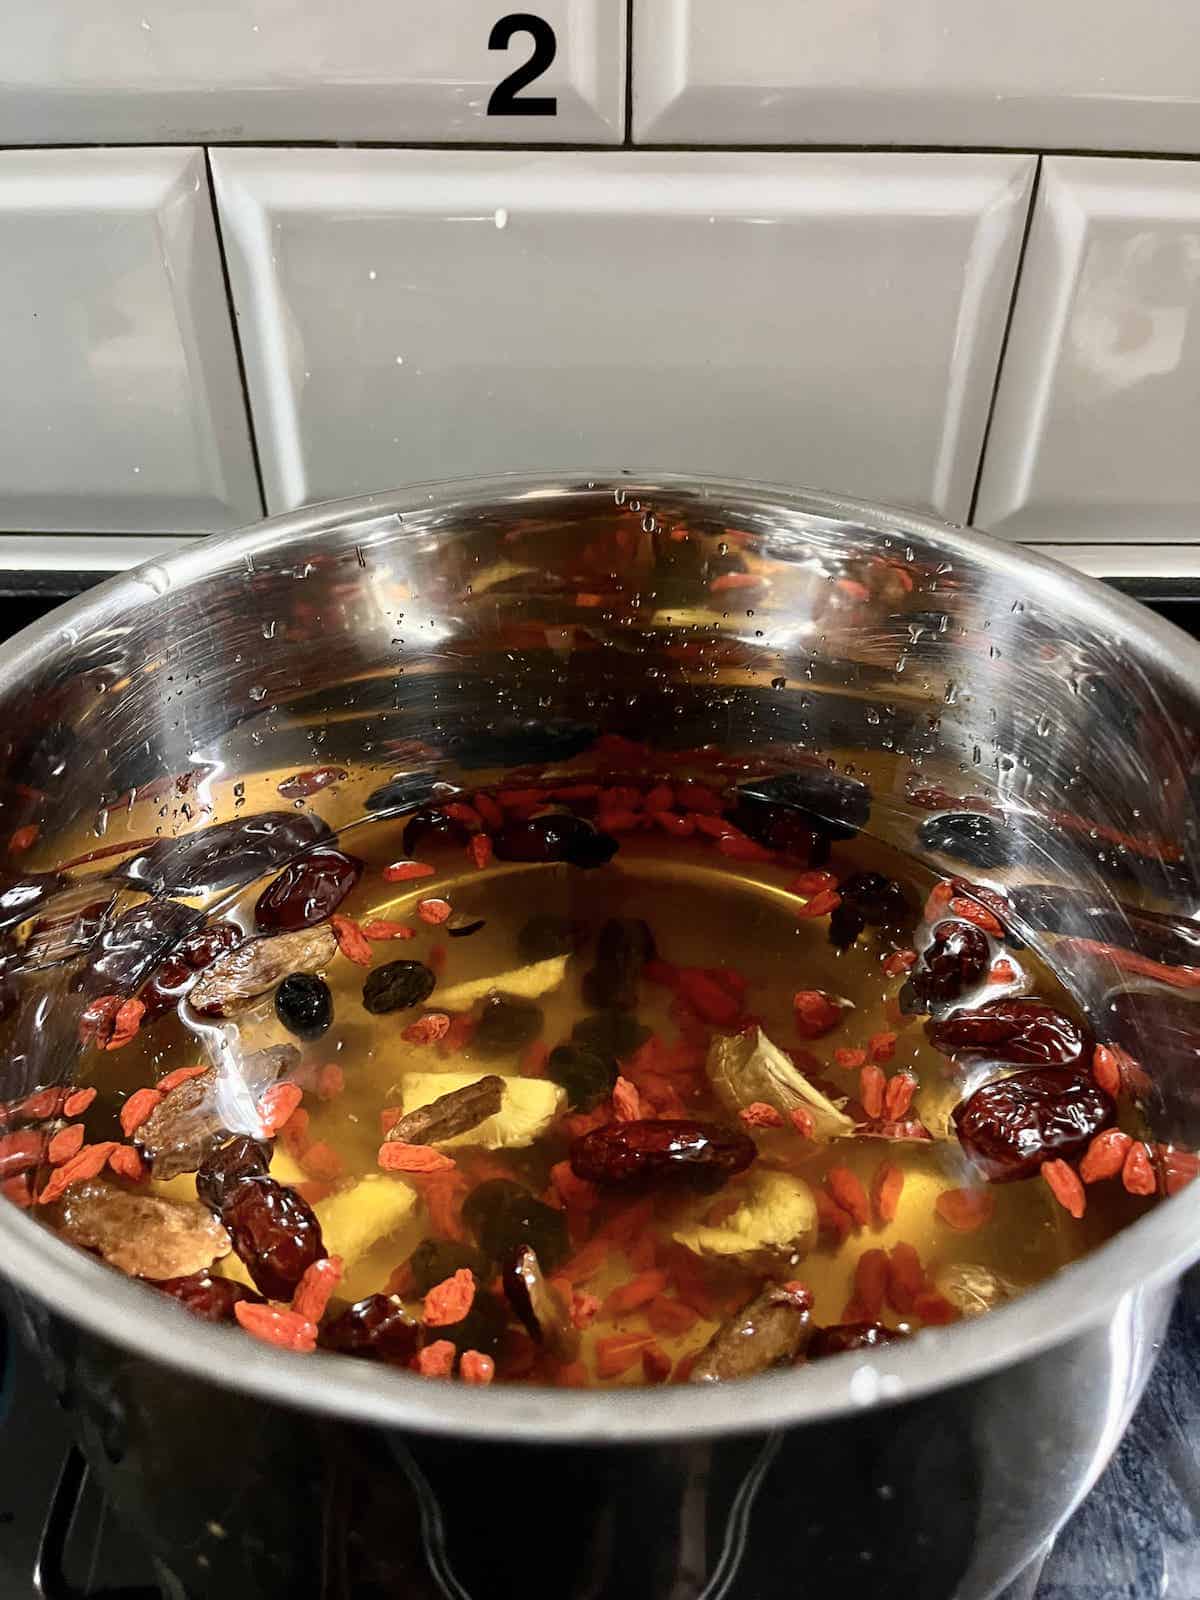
(760, 1115)
(718, 828)
(351, 941)
(693, 796)
(448, 1302)
(1105, 1156)
(127, 1163)
(626, 1102)
(663, 973)
(729, 581)
(24, 838)
(832, 1222)
(971, 911)
(821, 904)
(881, 1047)
(1138, 1172)
(436, 1360)
(434, 1025)
(395, 1156)
(669, 1318)
(489, 811)
(740, 847)
(934, 1309)
(1063, 1183)
(709, 1000)
(294, 1135)
(20, 1151)
(1002, 971)
(1106, 1071)
(379, 928)
(899, 962)
(87, 1163)
(66, 1143)
(586, 1262)
(17, 1191)
(1179, 1168)
(938, 899)
(403, 871)
(810, 883)
(656, 1364)
(77, 1103)
(315, 1288)
(898, 1095)
(534, 1058)
(584, 1310)
(618, 1352)
(965, 1210)
(329, 1081)
(847, 1191)
(870, 1283)
(126, 1024)
(461, 812)
(886, 1189)
(871, 1088)
(277, 1105)
(180, 1075)
(629, 1296)
(273, 1326)
(905, 1278)
(97, 1019)
(322, 1162)
(573, 1375)
(522, 799)
(670, 822)
(816, 1014)
(479, 850)
(577, 1193)
(850, 1059)
(137, 1108)
(801, 1118)
(475, 1367)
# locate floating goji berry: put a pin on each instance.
(729, 581)
(126, 1024)
(899, 962)
(1106, 1071)
(898, 1095)
(740, 847)
(670, 822)
(851, 1060)
(1179, 1168)
(17, 1191)
(870, 1283)
(656, 1364)
(669, 1318)
(77, 1103)
(403, 871)
(277, 1105)
(87, 1163)
(871, 1088)
(586, 1262)
(329, 1081)
(1063, 1182)
(274, 1326)
(316, 1286)
(832, 1222)
(760, 1115)
(396, 1156)
(480, 850)
(881, 1047)
(576, 1193)
(584, 1310)
(351, 940)
(618, 1352)
(21, 1151)
(847, 1191)
(436, 1360)
(821, 904)
(66, 1143)
(434, 911)
(801, 1118)
(816, 1014)
(810, 883)
(322, 1162)
(24, 838)
(972, 911)
(1105, 1156)
(379, 928)
(718, 827)
(137, 1108)
(294, 1134)
(1002, 971)
(180, 1075)
(475, 1367)
(637, 1292)
(127, 1163)
(434, 1025)
(1137, 1174)
(965, 1210)
(886, 1188)
(98, 1018)
(905, 1278)
(934, 1309)
(938, 899)
(449, 1302)
(489, 812)
(626, 1102)
(710, 1000)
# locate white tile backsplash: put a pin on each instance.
(103, 71)
(1097, 416)
(1069, 74)
(121, 401)
(830, 320)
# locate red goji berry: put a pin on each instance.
(66, 1143)
(905, 1278)
(1063, 1182)
(637, 1292)
(670, 822)
(660, 798)
(434, 911)
(77, 1103)
(1002, 971)
(740, 847)
(274, 1326)
(717, 827)
(127, 1163)
(180, 1075)
(618, 1352)
(434, 1025)
(329, 1081)
(968, 910)
(1105, 1156)
(899, 962)
(801, 1118)
(436, 1360)
(88, 1163)
(277, 1106)
(534, 1058)
(934, 1309)
(663, 973)
(403, 871)
(461, 812)
(97, 1019)
(851, 1060)
(577, 1194)
(886, 1189)
(847, 1191)
(475, 1367)
(871, 1088)
(832, 1222)
(670, 1319)
(294, 1135)
(1179, 1168)
(479, 850)
(24, 838)
(322, 1162)
(380, 928)
(1106, 1071)
(126, 1024)
(938, 899)
(811, 883)
(965, 1210)
(316, 1287)
(137, 1108)
(729, 581)
(1137, 1174)
(21, 1151)
(490, 812)
(656, 1364)
(449, 1301)
(395, 1156)
(881, 1047)
(708, 999)
(820, 905)
(760, 1115)
(17, 1191)
(870, 1283)
(816, 1014)
(627, 1103)
(898, 1096)
(586, 1262)
(693, 796)
(350, 940)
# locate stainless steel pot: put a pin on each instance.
(884, 642)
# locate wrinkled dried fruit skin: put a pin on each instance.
(225, 854)
(242, 974)
(304, 1004)
(307, 891)
(506, 1023)
(273, 1229)
(377, 1328)
(869, 900)
(703, 1154)
(450, 1114)
(1014, 1030)
(132, 946)
(772, 1331)
(541, 1311)
(623, 947)
(435, 1260)
(843, 1336)
(586, 1075)
(397, 986)
(141, 1234)
(503, 1216)
(955, 960)
(971, 837)
(228, 1166)
(546, 935)
(210, 1298)
(176, 1136)
(427, 829)
(1009, 1126)
(176, 976)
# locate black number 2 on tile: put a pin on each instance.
(506, 100)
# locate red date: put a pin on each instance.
(307, 891)
(625, 1153)
(1010, 1126)
(956, 959)
(210, 1298)
(1025, 1032)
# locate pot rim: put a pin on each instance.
(1079, 1297)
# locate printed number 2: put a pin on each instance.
(504, 101)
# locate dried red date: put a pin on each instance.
(377, 1328)
(273, 1229)
(1021, 1031)
(210, 1298)
(843, 1336)
(228, 853)
(129, 950)
(549, 838)
(623, 1153)
(955, 960)
(1011, 1125)
(427, 829)
(307, 891)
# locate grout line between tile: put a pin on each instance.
(628, 73)
(236, 332)
(1008, 322)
